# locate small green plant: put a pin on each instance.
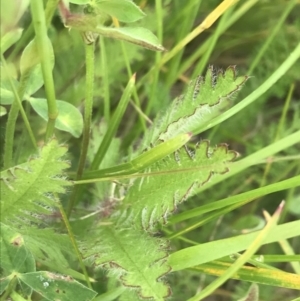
(71, 212)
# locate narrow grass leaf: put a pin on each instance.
(203, 253)
(141, 162)
(254, 246)
(114, 123)
(252, 274)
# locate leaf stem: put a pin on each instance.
(39, 23)
(105, 74)
(88, 107)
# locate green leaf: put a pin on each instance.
(57, 287)
(253, 274)
(204, 99)
(171, 181)
(138, 260)
(15, 257)
(136, 35)
(123, 10)
(10, 38)
(48, 246)
(79, 2)
(203, 253)
(3, 111)
(27, 189)
(4, 284)
(7, 95)
(30, 66)
(69, 118)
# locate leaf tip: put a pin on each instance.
(280, 208)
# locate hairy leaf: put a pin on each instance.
(205, 98)
(171, 181)
(27, 196)
(27, 189)
(138, 259)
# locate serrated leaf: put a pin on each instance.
(57, 287)
(30, 66)
(10, 38)
(69, 118)
(27, 189)
(171, 181)
(138, 259)
(204, 99)
(123, 10)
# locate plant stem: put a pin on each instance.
(74, 243)
(12, 116)
(105, 77)
(39, 23)
(88, 107)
